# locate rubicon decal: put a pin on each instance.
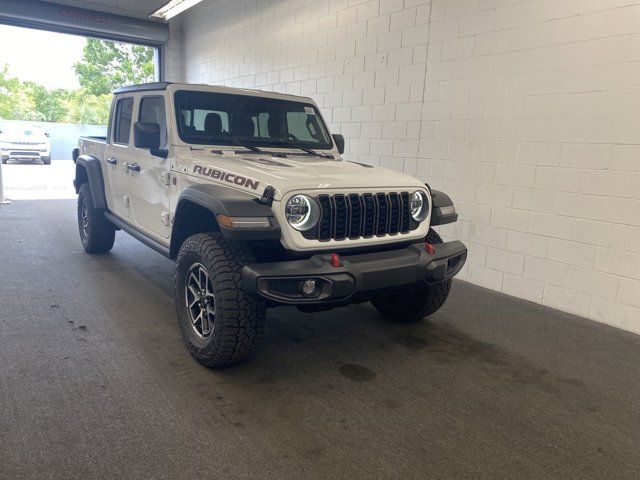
(226, 177)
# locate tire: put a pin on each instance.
(47, 160)
(235, 321)
(4, 161)
(97, 234)
(415, 304)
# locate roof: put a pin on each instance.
(143, 87)
(155, 86)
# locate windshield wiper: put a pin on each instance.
(304, 149)
(240, 143)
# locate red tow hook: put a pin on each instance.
(429, 248)
(336, 261)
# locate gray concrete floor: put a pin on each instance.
(95, 382)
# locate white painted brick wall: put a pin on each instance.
(526, 112)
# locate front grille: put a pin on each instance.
(365, 215)
(18, 153)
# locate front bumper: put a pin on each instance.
(24, 154)
(358, 277)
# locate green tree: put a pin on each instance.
(48, 105)
(107, 65)
(9, 100)
(85, 108)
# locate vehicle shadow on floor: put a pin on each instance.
(356, 343)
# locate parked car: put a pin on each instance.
(248, 192)
(29, 143)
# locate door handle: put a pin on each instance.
(134, 167)
(112, 161)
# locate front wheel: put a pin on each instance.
(46, 160)
(414, 304)
(220, 323)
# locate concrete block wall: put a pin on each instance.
(535, 110)
(526, 112)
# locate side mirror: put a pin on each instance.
(46, 134)
(339, 139)
(147, 135)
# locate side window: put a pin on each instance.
(152, 111)
(122, 125)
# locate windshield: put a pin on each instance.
(208, 118)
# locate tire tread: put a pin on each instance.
(242, 317)
(101, 232)
(424, 301)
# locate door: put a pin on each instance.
(150, 179)
(117, 153)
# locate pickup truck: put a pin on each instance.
(247, 191)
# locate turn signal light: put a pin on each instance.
(239, 223)
(225, 220)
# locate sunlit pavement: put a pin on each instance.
(34, 181)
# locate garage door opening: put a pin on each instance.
(48, 100)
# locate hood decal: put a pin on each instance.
(224, 176)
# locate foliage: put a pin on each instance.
(12, 100)
(105, 65)
(84, 108)
(48, 106)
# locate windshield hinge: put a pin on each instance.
(267, 196)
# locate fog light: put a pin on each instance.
(309, 288)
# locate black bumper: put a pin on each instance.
(359, 276)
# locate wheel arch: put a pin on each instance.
(191, 218)
(88, 170)
(442, 208)
(198, 206)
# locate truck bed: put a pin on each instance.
(93, 146)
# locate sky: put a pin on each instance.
(43, 57)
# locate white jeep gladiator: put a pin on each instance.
(246, 190)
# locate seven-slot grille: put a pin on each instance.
(362, 215)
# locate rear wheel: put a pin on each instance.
(96, 232)
(220, 323)
(46, 160)
(414, 304)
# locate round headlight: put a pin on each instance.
(419, 206)
(302, 212)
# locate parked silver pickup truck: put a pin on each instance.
(247, 191)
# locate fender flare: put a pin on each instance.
(442, 209)
(219, 199)
(89, 170)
